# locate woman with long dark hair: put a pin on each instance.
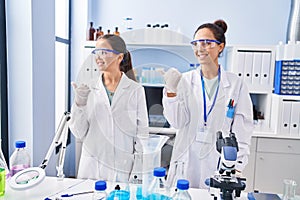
(108, 114)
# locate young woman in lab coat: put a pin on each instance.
(196, 103)
(108, 114)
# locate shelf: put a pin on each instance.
(92, 44)
(159, 85)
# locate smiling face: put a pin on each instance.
(206, 52)
(105, 56)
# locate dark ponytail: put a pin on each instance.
(118, 44)
(126, 66)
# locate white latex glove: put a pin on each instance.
(172, 78)
(81, 94)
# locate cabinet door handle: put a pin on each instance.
(261, 158)
(289, 146)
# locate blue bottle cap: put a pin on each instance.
(100, 185)
(20, 144)
(159, 172)
(183, 184)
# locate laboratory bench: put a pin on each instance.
(52, 188)
(273, 158)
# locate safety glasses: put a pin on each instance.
(204, 44)
(104, 53)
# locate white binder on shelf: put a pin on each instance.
(265, 69)
(248, 68)
(295, 119)
(240, 64)
(285, 118)
(256, 68)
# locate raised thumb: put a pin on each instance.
(74, 85)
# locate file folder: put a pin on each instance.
(285, 118)
(295, 119)
(265, 69)
(248, 68)
(256, 68)
(240, 64)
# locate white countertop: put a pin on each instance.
(52, 188)
(256, 133)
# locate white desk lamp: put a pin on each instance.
(32, 176)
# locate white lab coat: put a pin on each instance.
(185, 113)
(109, 132)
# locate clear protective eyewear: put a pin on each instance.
(104, 53)
(204, 44)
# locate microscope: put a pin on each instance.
(224, 183)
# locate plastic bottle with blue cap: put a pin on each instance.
(182, 190)
(158, 190)
(100, 190)
(20, 159)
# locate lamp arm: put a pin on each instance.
(57, 138)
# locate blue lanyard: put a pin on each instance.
(205, 116)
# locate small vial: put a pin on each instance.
(117, 31)
(108, 31)
(100, 190)
(99, 32)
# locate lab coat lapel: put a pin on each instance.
(224, 85)
(101, 92)
(121, 89)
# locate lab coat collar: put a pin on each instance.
(121, 88)
(124, 82)
(197, 80)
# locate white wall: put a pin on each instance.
(31, 61)
(249, 22)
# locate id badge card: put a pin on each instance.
(202, 134)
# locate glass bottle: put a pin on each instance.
(20, 159)
(100, 190)
(158, 189)
(108, 31)
(117, 31)
(3, 171)
(99, 32)
(91, 32)
(182, 190)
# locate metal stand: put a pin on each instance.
(60, 137)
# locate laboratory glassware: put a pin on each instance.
(289, 189)
(20, 159)
(182, 190)
(179, 172)
(91, 32)
(158, 190)
(3, 171)
(100, 190)
(151, 145)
